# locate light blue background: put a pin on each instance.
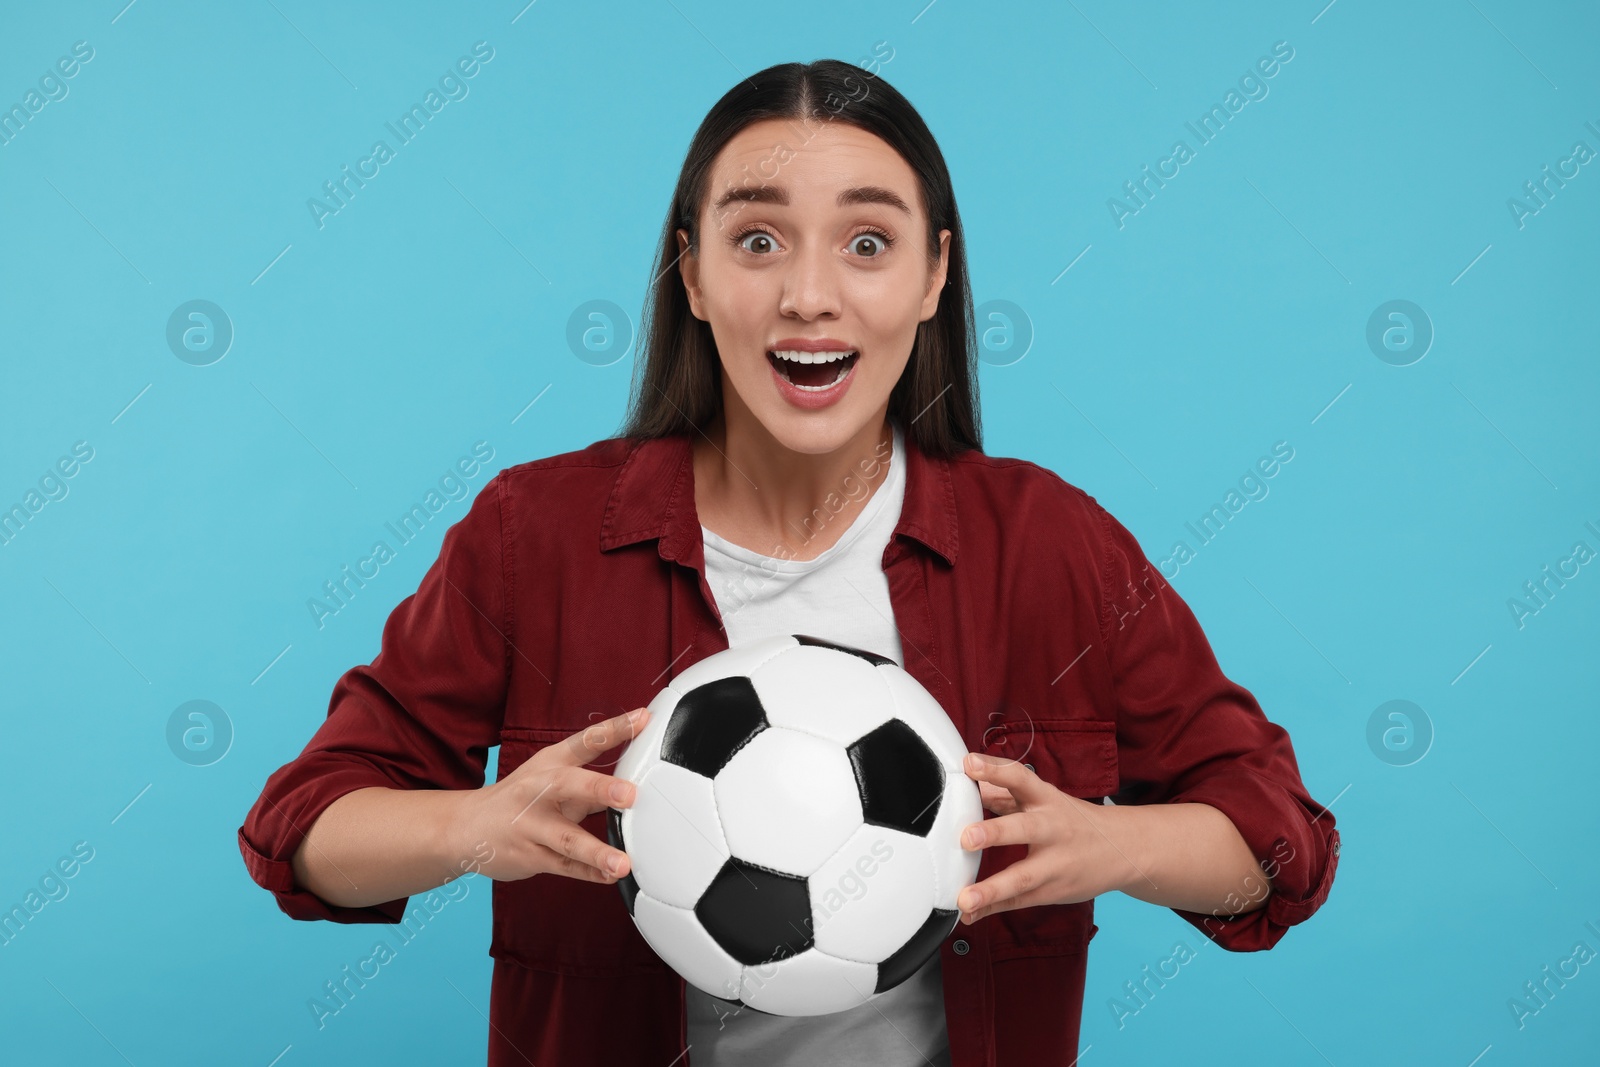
(1227, 315)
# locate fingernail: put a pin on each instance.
(973, 762)
(635, 714)
(970, 838)
(614, 864)
(619, 791)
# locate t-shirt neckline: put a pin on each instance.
(857, 527)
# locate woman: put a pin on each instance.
(803, 455)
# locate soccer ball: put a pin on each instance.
(795, 836)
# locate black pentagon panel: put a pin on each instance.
(871, 657)
(917, 949)
(900, 779)
(627, 883)
(757, 915)
(711, 723)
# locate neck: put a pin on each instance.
(755, 492)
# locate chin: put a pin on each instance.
(814, 433)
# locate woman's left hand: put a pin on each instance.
(1071, 854)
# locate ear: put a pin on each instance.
(689, 270)
(936, 279)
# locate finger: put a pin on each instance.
(588, 743)
(1025, 900)
(991, 894)
(1018, 828)
(568, 867)
(566, 838)
(592, 789)
(1000, 801)
(1022, 783)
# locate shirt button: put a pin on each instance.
(961, 947)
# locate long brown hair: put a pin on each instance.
(676, 386)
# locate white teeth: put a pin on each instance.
(811, 357)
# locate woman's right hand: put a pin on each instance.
(527, 822)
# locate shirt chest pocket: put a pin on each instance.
(1077, 756)
(565, 925)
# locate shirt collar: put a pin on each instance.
(653, 497)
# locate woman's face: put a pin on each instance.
(813, 237)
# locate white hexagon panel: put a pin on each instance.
(788, 800)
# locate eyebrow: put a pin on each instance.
(777, 194)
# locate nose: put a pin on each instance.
(811, 284)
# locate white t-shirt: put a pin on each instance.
(842, 596)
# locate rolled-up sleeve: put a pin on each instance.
(1185, 732)
(422, 715)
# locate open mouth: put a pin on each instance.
(813, 371)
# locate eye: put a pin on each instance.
(870, 244)
(762, 240)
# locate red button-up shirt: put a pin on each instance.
(574, 589)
